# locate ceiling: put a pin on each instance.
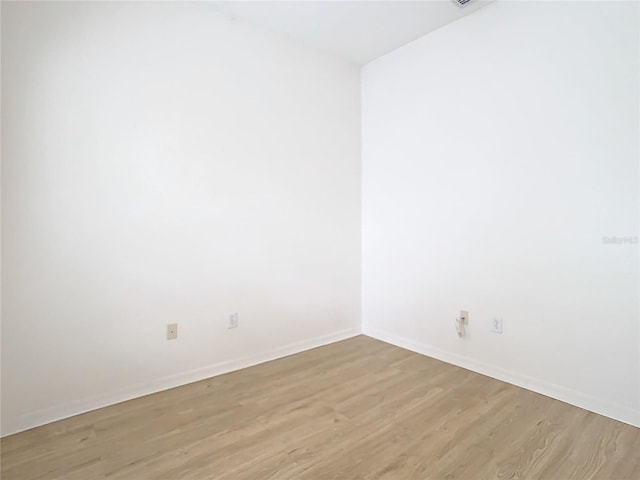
(357, 31)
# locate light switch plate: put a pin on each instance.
(172, 331)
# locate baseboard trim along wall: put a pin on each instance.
(59, 412)
(572, 397)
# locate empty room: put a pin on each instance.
(316, 240)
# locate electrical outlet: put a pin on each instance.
(233, 320)
(172, 331)
(496, 325)
(461, 321)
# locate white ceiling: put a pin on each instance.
(358, 31)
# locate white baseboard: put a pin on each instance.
(59, 412)
(567, 395)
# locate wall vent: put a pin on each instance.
(462, 3)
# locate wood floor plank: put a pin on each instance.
(357, 409)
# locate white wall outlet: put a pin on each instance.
(496, 325)
(172, 331)
(461, 321)
(233, 320)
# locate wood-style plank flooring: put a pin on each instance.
(357, 409)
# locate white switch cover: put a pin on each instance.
(233, 320)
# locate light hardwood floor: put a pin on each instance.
(351, 410)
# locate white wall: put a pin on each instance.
(162, 163)
(497, 152)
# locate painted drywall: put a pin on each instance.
(358, 31)
(162, 163)
(498, 152)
